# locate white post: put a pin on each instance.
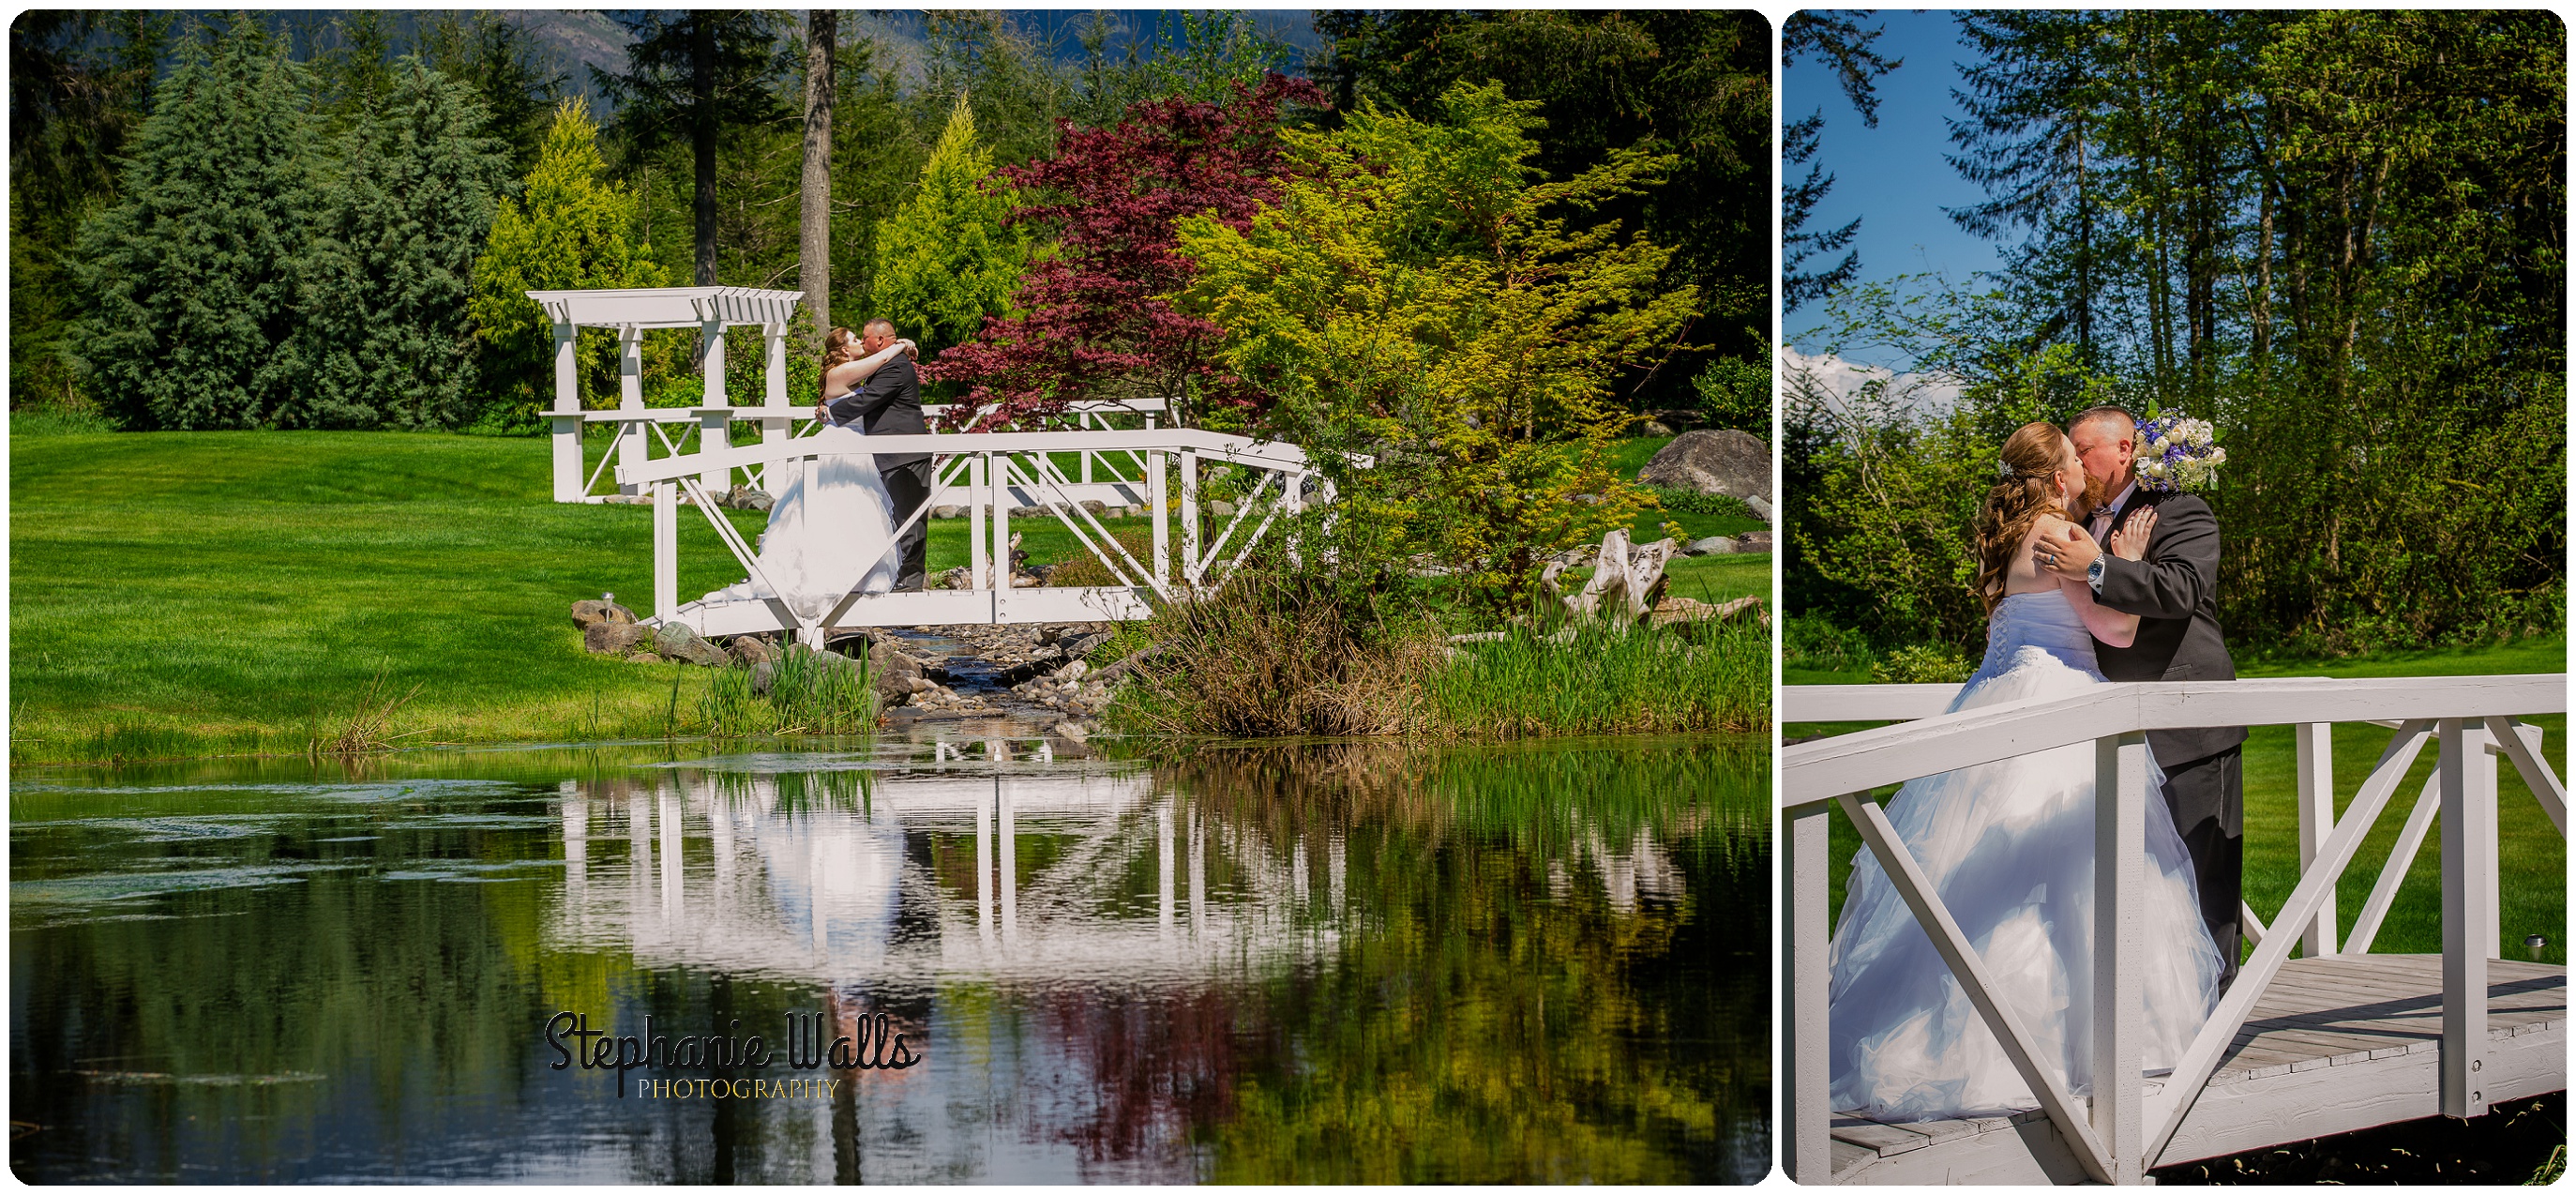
(713, 433)
(774, 423)
(2464, 890)
(712, 334)
(2316, 820)
(1158, 465)
(1001, 527)
(976, 496)
(666, 550)
(633, 442)
(1189, 514)
(2119, 947)
(566, 417)
(1806, 969)
(2482, 792)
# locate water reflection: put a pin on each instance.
(1327, 962)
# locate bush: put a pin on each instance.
(1736, 393)
(1688, 501)
(1811, 641)
(1921, 664)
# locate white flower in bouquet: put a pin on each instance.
(2178, 453)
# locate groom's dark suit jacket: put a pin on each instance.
(888, 405)
(2174, 591)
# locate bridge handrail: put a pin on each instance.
(1819, 770)
(2124, 1131)
(1234, 449)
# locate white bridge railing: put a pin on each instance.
(638, 434)
(995, 473)
(2124, 1130)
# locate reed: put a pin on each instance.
(809, 694)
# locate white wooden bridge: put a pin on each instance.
(2333, 1042)
(989, 475)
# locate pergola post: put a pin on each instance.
(566, 417)
(630, 398)
(775, 423)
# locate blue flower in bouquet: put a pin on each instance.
(2177, 452)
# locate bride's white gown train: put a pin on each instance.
(831, 531)
(2009, 847)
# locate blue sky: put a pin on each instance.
(1893, 177)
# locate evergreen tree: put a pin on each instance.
(569, 233)
(1843, 44)
(700, 72)
(948, 259)
(80, 86)
(385, 341)
(190, 278)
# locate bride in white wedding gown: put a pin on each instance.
(2009, 847)
(831, 530)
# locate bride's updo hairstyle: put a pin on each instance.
(2027, 489)
(840, 347)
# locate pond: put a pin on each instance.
(1329, 962)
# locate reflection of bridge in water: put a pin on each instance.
(728, 865)
(825, 876)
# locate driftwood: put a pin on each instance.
(1627, 580)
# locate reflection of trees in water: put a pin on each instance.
(1498, 1022)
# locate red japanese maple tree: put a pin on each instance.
(1092, 322)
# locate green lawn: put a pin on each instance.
(2534, 855)
(196, 593)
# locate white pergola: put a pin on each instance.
(711, 310)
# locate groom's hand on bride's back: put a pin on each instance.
(2064, 551)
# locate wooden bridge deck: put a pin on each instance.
(2335, 1045)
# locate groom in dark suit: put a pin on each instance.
(2173, 591)
(889, 404)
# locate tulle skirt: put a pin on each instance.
(831, 531)
(2009, 847)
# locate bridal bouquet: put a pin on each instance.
(2176, 452)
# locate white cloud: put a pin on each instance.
(1836, 376)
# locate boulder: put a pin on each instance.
(752, 649)
(947, 512)
(643, 657)
(1655, 427)
(676, 641)
(614, 638)
(1715, 545)
(764, 677)
(1098, 508)
(1753, 541)
(588, 612)
(1221, 510)
(1761, 508)
(1725, 462)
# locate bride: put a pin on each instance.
(2009, 847)
(831, 530)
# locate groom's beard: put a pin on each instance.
(2095, 494)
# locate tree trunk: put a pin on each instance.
(702, 135)
(814, 244)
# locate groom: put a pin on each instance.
(2173, 591)
(889, 404)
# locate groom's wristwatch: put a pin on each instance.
(2093, 572)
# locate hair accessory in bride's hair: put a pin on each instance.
(2177, 453)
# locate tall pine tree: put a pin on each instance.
(190, 278)
(568, 234)
(947, 259)
(385, 341)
